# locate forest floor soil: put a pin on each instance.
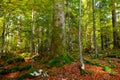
(72, 71)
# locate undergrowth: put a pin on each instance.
(60, 61)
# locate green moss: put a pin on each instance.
(14, 68)
(10, 60)
(24, 55)
(82, 72)
(60, 61)
(27, 67)
(108, 69)
(88, 62)
(113, 66)
(23, 76)
(27, 75)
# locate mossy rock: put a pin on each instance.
(60, 61)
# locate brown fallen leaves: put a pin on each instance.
(72, 72)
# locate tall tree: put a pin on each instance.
(32, 47)
(57, 46)
(94, 27)
(116, 39)
(79, 35)
(3, 33)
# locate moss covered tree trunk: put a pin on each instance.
(58, 32)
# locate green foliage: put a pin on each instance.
(60, 61)
(23, 76)
(97, 64)
(27, 67)
(17, 68)
(14, 59)
(14, 68)
(91, 63)
(113, 66)
(27, 75)
(11, 60)
(108, 69)
(88, 62)
(32, 69)
(82, 72)
(24, 55)
(116, 52)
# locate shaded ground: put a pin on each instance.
(72, 71)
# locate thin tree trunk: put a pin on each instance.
(32, 35)
(69, 48)
(94, 28)
(3, 36)
(79, 35)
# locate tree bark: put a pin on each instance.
(32, 47)
(94, 28)
(3, 35)
(116, 38)
(79, 35)
(57, 45)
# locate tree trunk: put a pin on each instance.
(116, 38)
(3, 36)
(94, 28)
(79, 35)
(69, 40)
(32, 47)
(57, 46)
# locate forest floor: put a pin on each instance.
(72, 71)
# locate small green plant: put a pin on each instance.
(10, 60)
(27, 67)
(97, 64)
(23, 76)
(88, 62)
(32, 69)
(14, 68)
(82, 72)
(108, 69)
(24, 55)
(113, 66)
(27, 75)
